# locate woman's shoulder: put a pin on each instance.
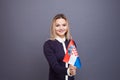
(49, 42)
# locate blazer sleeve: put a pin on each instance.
(51, 58)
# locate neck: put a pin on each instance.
(61, 36)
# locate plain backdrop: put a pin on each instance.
(24, 27)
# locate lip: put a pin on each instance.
(61, 31)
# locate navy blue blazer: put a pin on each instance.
(54, 53)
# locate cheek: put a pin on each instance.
(66, 28)
(56, 29)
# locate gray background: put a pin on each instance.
(24, 27)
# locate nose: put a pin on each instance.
(61, 26)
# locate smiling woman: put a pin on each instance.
(55, 49)
(61, 27)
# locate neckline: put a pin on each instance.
(61, 40)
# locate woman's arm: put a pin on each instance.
(51, 58)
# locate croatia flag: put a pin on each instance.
(71, 56)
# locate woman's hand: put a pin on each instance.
(72, 70)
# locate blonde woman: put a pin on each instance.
(55, 49)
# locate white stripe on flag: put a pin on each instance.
(72, 59)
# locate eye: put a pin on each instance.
(57, 25)
(64, 24)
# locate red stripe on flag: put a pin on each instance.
(66, 57)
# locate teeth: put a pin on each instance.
(61, 31)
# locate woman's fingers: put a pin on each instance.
(72, 70)
(72, 67)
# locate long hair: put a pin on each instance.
(52, 28)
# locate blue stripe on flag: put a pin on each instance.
(77, 63)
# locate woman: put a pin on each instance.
(55, 49)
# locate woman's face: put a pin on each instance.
(61, 27)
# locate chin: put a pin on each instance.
(62, 34)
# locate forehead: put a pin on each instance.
(60, 21)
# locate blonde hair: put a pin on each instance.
(52, 28)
